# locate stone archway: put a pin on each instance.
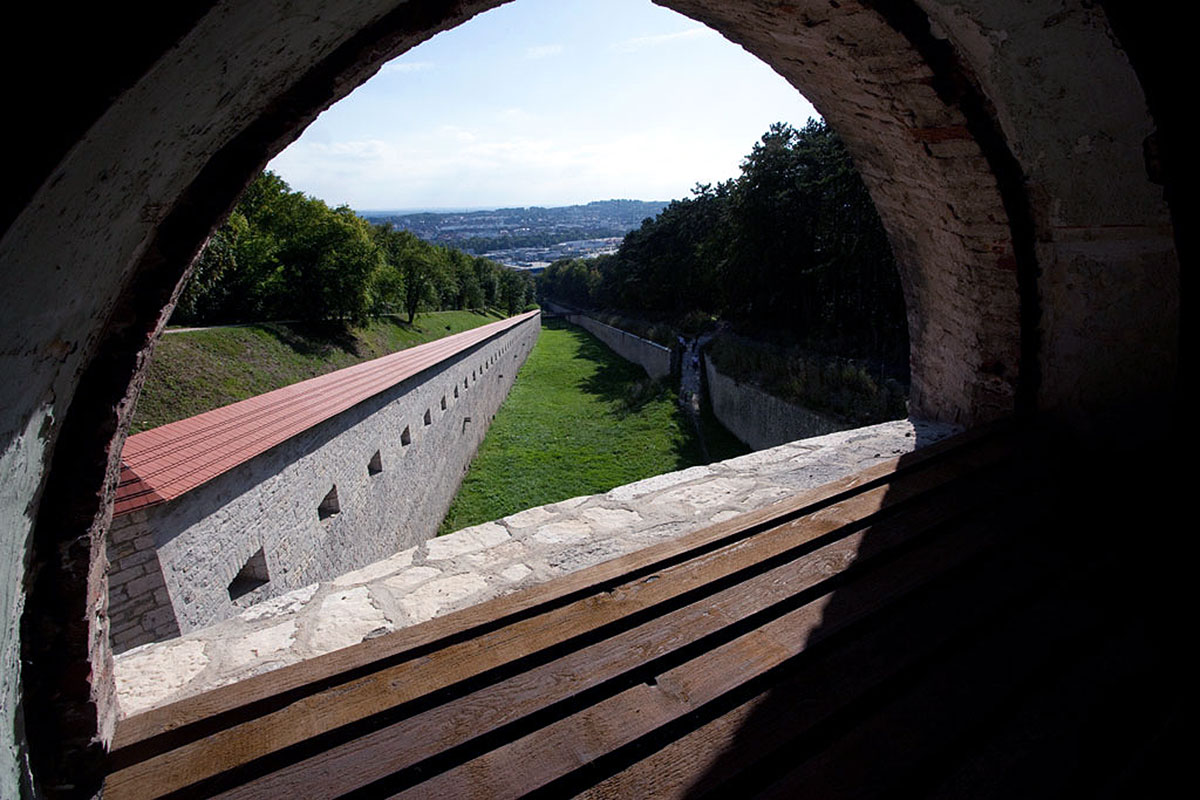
(1010, 181)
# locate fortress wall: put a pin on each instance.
(476, 564)
(758, 419)
(650, 356)
(265, 527)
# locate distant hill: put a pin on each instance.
(508, 228)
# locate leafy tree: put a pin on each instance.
(516, 290)
(487, 273)
(410, 259)
(283, 255)
(792, 248)
(326, 258)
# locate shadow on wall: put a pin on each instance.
(1005, 650)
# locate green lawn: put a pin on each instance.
(197, 371)
(579, 420)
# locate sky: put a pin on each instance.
(545, 102)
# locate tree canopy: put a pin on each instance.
(792, 247)
(284, 255)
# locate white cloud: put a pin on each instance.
(643, 42)
(457, 134)
(488, 167)
(543, 51)
(406, 66)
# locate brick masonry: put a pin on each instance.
(174, 566)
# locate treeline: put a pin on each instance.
(283, 255)
(790, 250)
(486, 244)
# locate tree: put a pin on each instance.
(282, 255)
(327, 257)
(516, 290)
(410, 258)
(792, 247)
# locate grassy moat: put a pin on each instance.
(579, 420)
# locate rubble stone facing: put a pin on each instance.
(172, 564)
(650, 356)
(485, 561)
(759, 419)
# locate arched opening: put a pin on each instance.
(952, 165)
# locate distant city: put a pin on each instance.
(529, 238)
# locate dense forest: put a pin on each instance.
(283, 255)
(791, 251)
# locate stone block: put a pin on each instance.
(565, 532)
(516, 572)
(144, 586)
(465, 541)
(120, 579)
(411, 578)
(378, 570)
(149, 675)
(289, 603)
(442, 594)
(259, 645)
(345, 618)
(529, 517)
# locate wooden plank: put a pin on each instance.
(390, 687)
(813, 692)
(280, 683)
(313, 715)
(551, 753)
(405, 743)
(944, 705)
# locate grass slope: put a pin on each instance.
(579, 420)
(196, 371)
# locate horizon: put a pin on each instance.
(544, 103)
(454, 210)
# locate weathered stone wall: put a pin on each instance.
(1077, 124)
(396, 461)
(650, 356)
(485, 561)
(758, 419)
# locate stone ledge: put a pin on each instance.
(496, 558)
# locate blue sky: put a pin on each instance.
(545, 102)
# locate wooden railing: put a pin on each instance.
(836, 644)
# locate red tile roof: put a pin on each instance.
(163, 463)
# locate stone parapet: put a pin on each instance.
(452, 572)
